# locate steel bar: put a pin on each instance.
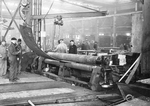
(89, 17)
(11, 15)
(35, 21)
(70, 15)
(13, 18)
(53, 35)
(107, 16)
(75, 58)
(114, 26)
(86, 6)
(31, 103)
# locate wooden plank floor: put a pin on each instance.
(93, 103)
(34, 93)
(25, 78)
(40, 89)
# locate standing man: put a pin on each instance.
(95, 45)
(12, 57)
(3, 59)
(72, 48)
(83, 46)
(19, 56)
(62, 47)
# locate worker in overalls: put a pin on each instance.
(19, 56)
(12, 57)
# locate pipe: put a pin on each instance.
(70, 65)
(86, 59)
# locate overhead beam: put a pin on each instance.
(71, 15)
(84, 5)
(108, 16)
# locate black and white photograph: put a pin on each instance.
(74, 52)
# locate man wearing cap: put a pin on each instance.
(12, 56)
(62, 47)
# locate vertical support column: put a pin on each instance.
(53, 36)
(59, 36)
(146, 38)
(35, 21)
(36, 30)
(0, 20)
(136, 39)
(44, 39)
(114, 24)
(82, 29)
(97, 32)
(39, 30)
(136, 6)
(114, 28)
(33, 28)
(43, 35)
(39, 20)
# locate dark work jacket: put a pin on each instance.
(95, 46)
(73, 49)
(12, 52)
(19, 47)
(83, 47)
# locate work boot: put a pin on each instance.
(12, 81)
(16, 79)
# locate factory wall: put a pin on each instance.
(137, 31)
(90, 29)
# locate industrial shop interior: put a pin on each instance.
(74, 53)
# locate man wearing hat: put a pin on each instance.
(12, 56)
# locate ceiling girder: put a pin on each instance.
(71, 15)
(84, 5)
